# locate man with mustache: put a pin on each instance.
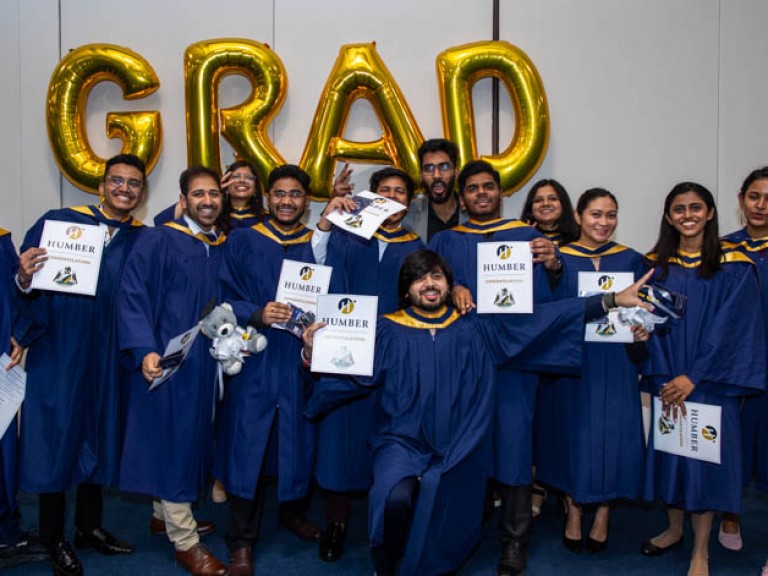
(480, 196)
(438, 207)
(169, 279)
(70, 425)
(436, 372)
(264, 402)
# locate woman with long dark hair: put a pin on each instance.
(714, 354)
(549, 209)
(591, 445)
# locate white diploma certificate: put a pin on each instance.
(13, 386)
(301, 283)
(74, 257)
(504, 278)
(346, 344)
(369, 214)
(175, 352)
(608, 328)
(697, 435)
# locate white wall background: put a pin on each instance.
(641, 94)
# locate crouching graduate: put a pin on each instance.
(432, 450)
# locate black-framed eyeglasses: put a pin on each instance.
(293, 194)
(131, 183)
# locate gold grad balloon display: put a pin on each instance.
(458, 69)
(245, 126)
(359, 72)
(71, 82)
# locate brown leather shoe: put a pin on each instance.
(157, 527)
(241, 562)
(302, 526)
(198, 561)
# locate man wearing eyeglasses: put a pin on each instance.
(169, 279)
(70, 425)
(265, 401)
(438, 207)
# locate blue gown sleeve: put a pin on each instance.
(730, 356)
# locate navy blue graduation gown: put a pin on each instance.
(343, 456)
(266, 399)
(720, 345)
(437, 398)
(589, 430)
(516, 400)
(169, 279)
(8, 445)
(71, 430)
(754, 410)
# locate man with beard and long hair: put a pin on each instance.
(438, 207)
(436, 373)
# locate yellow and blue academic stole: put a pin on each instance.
(298, 235)
(733, 253)
(693, 259)
(4, 232)
(99, 215)
(475, 227)
(399, 235)
(243, 214)
(553, 235)
(199, 236)
(749, 245)
(581, 251)
(425, 320)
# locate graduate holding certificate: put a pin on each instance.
(590, 443)
(480, 195)
(16, 547)
(432, 445)
(714, 355)
(265, 400)
(70, 426)
(367, 267)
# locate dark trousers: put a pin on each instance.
(398, 513)
(245, 518)
(53, 512)
(338, 507)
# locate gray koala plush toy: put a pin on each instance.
(231, 343)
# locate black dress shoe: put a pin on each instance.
(650, 549)
(27, 549)
(64, 560)
(332, 541)
(102, 541)
(595, 546)
(514, 558)
(575, 546)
